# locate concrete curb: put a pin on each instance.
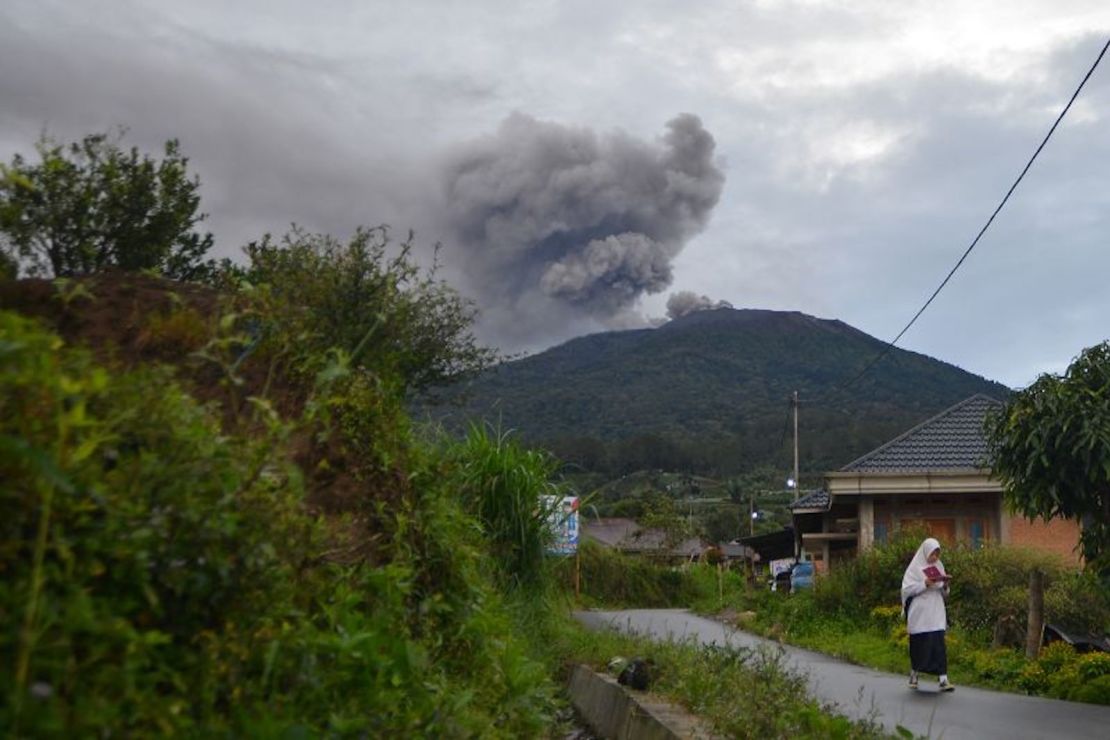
(618, 714)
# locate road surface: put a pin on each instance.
(967, 713)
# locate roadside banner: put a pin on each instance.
(781, 566)
(563, 520)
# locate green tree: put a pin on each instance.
(661, 512)
(649, 451)
(371, 301)
(90, 205)
(1050, 447)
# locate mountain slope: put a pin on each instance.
(718, 381)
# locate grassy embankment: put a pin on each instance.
(217, 519)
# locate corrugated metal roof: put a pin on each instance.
(954, 439)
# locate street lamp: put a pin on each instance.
(754, 514)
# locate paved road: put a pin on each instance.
(966, 713)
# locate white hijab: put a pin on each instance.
(914, 578)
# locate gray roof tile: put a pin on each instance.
(818, 499)
(952, 440)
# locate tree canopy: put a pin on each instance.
(88, 206)
(1051, 449)
(369, 299)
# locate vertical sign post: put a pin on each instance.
(563, 520)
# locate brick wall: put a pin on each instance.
(1058, 536)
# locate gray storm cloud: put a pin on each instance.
(686, 302)
(588, 221)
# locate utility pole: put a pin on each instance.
(797, 481)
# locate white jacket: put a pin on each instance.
(926, 612)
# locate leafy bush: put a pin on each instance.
(162, 576)
(386, 313)
(1002, 666)
(1056, 655)
(1078, 600)
(872, 580)
(887, 617)
(130, 527)
(1062, 672)
(1095, 691)
(1093, 665)
(992, 583)
(1033, 679)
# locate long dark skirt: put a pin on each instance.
(928, 653)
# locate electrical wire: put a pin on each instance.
(982, 231)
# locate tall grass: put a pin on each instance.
(505, 485)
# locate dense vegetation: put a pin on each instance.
(221, 522)
(708, 393)
(180, 567)
(216, 518)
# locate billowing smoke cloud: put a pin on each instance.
(562, 216)
(686, 302)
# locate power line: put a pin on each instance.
(890, 345)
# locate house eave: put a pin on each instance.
(911, 482)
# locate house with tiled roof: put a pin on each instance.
(936, 476)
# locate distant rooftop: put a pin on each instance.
(954, 439)
(818, 499)
(628, 536)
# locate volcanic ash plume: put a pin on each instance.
(686, 301)
(563, 215)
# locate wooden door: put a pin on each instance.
(943, 530)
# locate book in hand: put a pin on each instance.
(933, 573)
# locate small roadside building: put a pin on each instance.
(628, 537)
(935, 475)
(735, 553)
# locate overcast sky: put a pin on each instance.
(581, 162)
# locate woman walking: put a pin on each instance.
(924, 591)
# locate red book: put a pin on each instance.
(933, 573)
